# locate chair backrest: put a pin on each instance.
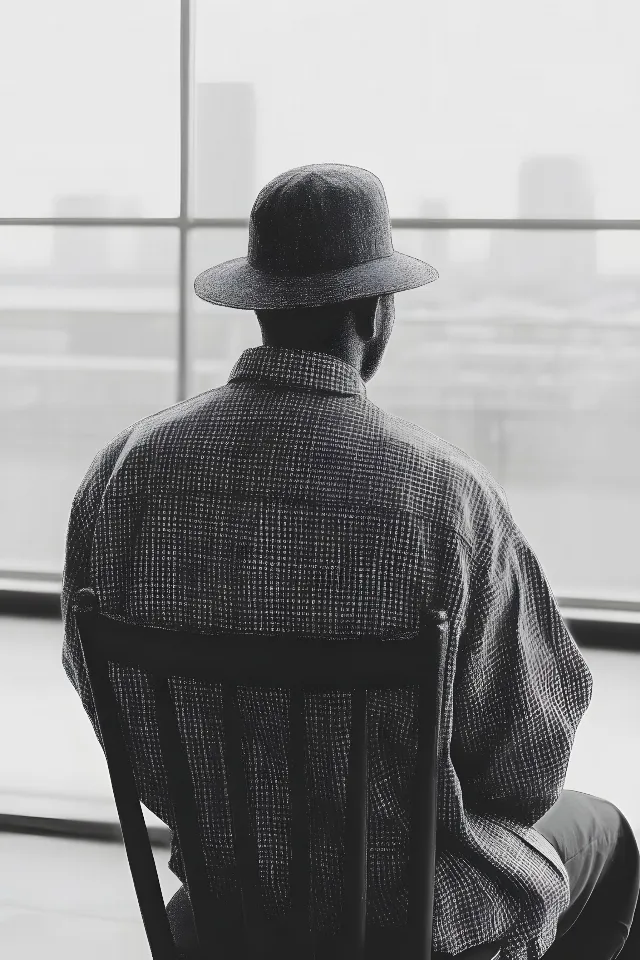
(268, 660)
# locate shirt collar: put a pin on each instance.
(304, 369)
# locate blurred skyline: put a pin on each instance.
(224, 184)
(440, 100)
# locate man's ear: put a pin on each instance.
(364, 313)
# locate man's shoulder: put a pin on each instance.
(419, 453)
(159, 426)
(404, 465)
(156, 429)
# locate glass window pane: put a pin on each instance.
(525, 354)
(88, 333)
(89, 99)
(463, 109)
(218, 334)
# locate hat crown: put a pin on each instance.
(318, 218)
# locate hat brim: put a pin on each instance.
(235, 283)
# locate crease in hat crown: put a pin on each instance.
(318, 218)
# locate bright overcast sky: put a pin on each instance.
(443, 100)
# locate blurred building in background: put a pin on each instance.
(565, 266)
(225, 150)
(435, 243)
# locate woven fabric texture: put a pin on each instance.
(285, 500)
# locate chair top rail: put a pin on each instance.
(268, 660)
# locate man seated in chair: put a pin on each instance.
(286, 501)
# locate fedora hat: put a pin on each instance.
(318, 234)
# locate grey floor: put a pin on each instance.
(67, 898)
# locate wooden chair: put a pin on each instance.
(287, 662)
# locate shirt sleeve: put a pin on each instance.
(82, 521)
(521, 687)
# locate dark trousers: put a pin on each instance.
(600, 853)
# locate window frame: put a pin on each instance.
(42, 591)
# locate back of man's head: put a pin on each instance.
(307, 326)
(355, 331)
(328, 325)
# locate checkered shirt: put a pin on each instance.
(285, 500)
